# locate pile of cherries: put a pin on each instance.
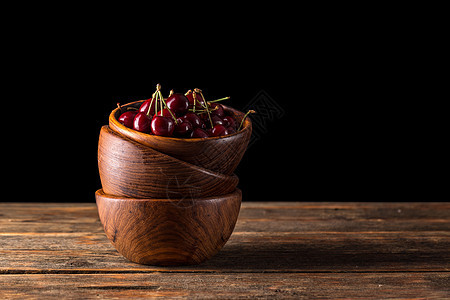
(182, 116)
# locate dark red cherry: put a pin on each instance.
(217, 109)
(229, 121)
(203, 117)
(198, 97)
(194, 119)
(142, 122)
(162, 126)
(127, 118)
(217, 120)
(219, 130)
(178, 104)
(145, 106)
(199, 133)
(183, 129)
(207, 121)
(231, 130)
(165, 113)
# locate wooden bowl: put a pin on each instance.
(218, 154)
(166, 231)
(130, 169)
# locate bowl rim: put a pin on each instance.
(101, 193)
(112, 118)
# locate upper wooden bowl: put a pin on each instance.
(218, 154)
(166, 231)
(130, 169)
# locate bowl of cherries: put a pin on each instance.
(169, 193)
(186, 126)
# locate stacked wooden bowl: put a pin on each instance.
(168, 201)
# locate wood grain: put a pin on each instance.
(130, 169)
(277, 250)
(218, 154)
(169, 232)
(228, 286)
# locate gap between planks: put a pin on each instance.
(6, 272)
(441, 233)
(247, 205)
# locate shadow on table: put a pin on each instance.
(329, 255)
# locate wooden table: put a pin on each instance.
(285, 250)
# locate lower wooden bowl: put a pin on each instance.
(168, 232)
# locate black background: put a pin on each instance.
(351, 130)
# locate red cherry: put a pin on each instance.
(217, 120)
(231, 130)
(162, 126)
(127, 118)
(217, 109)
(219, 130)
(199, 133)
(145, 106)
(200, 101)
(165, 113)
(194, 119)
(142, 122)
(205, 119)
(183, 129)
(178, 104)
(229, 121)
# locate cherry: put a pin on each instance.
(183, 129)
(207, 121)
(142, 122)
(229, 121)
(146, 105)
(178, 104)
(127, 118)
(219, 130)
(199, 99)
(217, 120)
(194, 119)
(199, 133)
(165, 113)
(162, 126)
(217, 109)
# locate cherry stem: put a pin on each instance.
(245, 116)
(127, 108)
(207, 109)
(161, 99)
(156, 102)
(151, 103)
(221, 99)
(204, 110)
(195, 100)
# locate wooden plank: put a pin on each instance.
(228, 286)
(250, 252)
(388, 209)
(267, 225)
(245, 225)
(253, 217)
